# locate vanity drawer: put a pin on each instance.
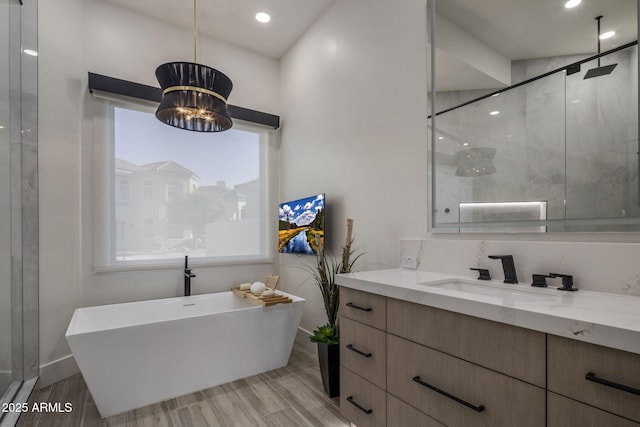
(515, 351)
(363, 351)
(565, 412)
(361, 402)
(569, 362)
(364, 307)
(399, 414)
(486, 398)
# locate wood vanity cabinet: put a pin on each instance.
(463, 370)
(361, 402)
(406, 364)
(363, 356)
(364, 307)
(511, 350)
(595, 376)
(565, 412)
(364, 351)
(475, 396)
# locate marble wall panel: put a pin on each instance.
(604, 267)
(557, 139)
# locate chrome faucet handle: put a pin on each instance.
(483, 273)
(567, 282)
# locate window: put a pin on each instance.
(174, 190)
(148, 190)
(185, 193)
(123, 192)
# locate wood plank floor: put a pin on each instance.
(290, 396)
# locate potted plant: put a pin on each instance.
(327, 336)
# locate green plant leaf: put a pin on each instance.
(323, 273)
(325, 334)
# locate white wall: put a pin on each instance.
(130, 46)
(354, 127)
(75, 37)
(353, 102)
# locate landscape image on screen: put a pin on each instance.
(301, 225)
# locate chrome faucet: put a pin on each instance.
(508, 266)
(187, 277)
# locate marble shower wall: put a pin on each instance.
(602, 141)
(593, 122)
(603, 267)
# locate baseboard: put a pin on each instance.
(302, 338)
(57, 370)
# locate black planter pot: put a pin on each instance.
(329, 359)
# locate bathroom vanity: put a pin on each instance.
(421, 348)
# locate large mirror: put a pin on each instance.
(534, 116)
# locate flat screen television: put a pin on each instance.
(301, 225)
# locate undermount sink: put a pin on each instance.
(506, 292)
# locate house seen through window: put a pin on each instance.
(183, 193)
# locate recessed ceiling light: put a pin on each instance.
(263, 17)
(607, 35)
(30, 52)
(494, 113)
(572, 3)
(441, 137)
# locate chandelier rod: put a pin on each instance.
(195, 31)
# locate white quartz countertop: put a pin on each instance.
(606, 319)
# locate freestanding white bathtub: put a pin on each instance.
(135, 354)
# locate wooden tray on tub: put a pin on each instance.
(271, 283)
(260, 300)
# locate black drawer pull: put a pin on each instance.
(357, 307)
(592, 377)
(353, 402)
(450, 396)
(352, 348)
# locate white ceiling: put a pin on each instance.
(515, 29)
(523, 29)
(233, 21)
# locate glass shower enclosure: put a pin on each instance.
(19, 365)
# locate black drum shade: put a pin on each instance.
(194, 97)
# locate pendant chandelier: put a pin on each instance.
(194, 96)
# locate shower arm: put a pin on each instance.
(598, 18)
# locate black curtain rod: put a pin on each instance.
(571, 69)
(152, 93)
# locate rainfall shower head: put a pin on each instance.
(605, 69)
(600, 71)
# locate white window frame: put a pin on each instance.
(103, 206)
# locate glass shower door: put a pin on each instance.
(19, 365)
(5, 205)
